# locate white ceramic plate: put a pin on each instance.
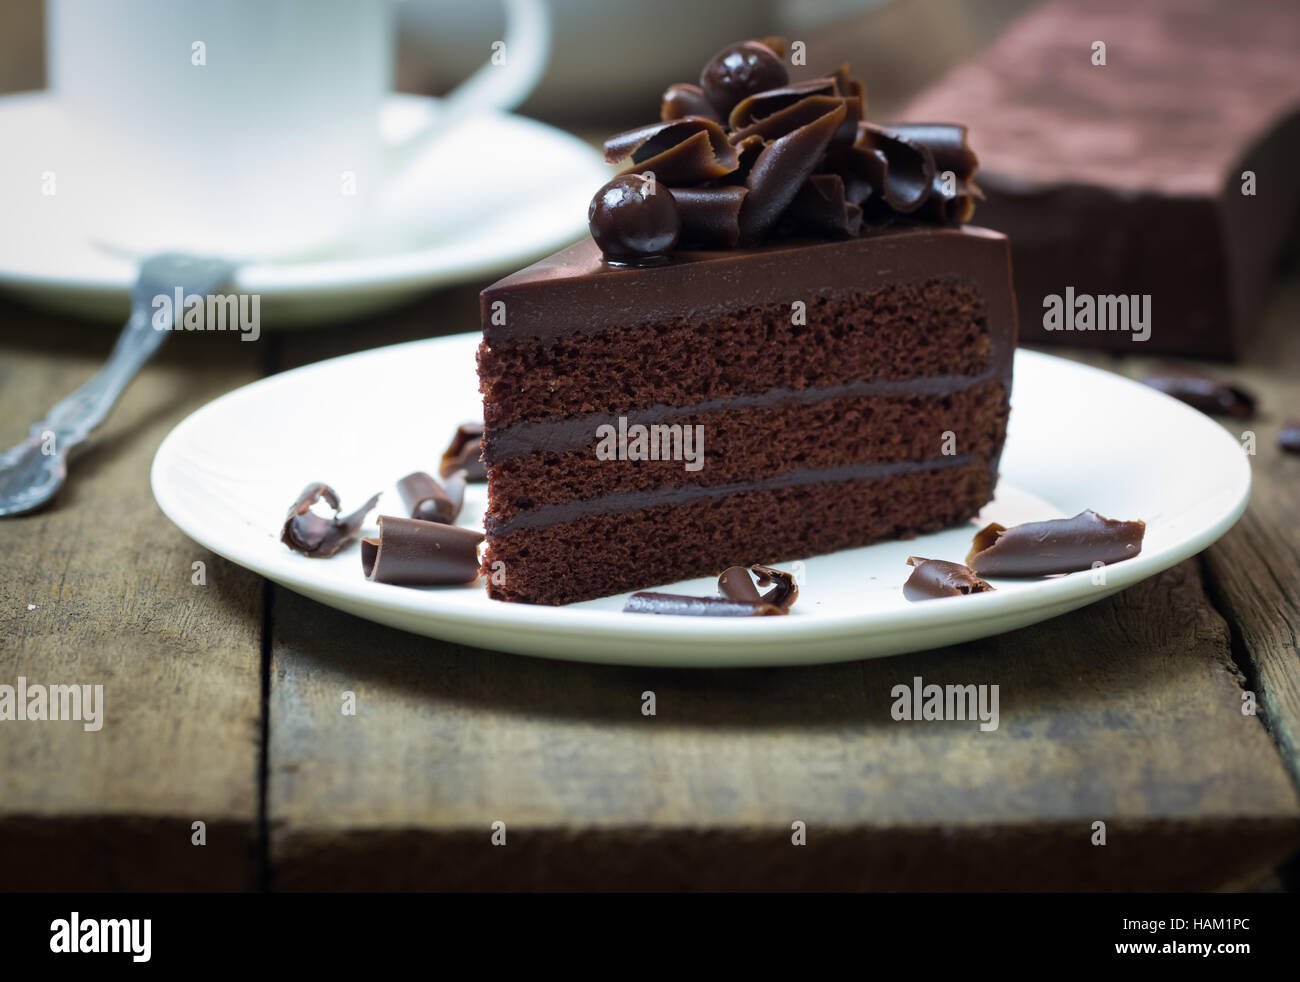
(462, 216)
(1079, 438)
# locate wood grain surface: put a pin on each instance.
(98, 590)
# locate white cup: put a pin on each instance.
(250, 128)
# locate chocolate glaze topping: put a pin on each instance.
(748, 156)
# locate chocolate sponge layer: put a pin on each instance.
(755, 443)
(611, 553)
(898, 331)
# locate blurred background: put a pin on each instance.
(593, 84)
(432, 217)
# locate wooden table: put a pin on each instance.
(224, 705)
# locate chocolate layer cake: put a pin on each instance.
(815, 357)
(1167, 171)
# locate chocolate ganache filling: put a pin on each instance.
(747, 155)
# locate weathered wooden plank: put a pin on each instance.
(1127, 712)
(98, 590)
(1254, 570)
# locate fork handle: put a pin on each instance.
(74, 417)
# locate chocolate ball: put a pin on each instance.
(740, 70)
(633, 219)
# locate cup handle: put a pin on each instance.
(503, 82)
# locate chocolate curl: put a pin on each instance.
(1288, 437)
(956, 209)
(851, 88)
(465, 453)
(791, 118)
(1210, 395)
(747, 151)
(314, 536)
(848, 131)
(671, 603)
(760, 105)
(781, 169)
(710, 216)
(907, 175)
(427, 500)
(682, 100)
(684, 151)
(777, 44)
(852, 173)
(784, 592)
(933, 578)
(735, 585)
(856, 190)
(821, 208)
(410, 552)
(1063, 545)
(947, 145)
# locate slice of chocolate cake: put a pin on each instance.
(781, 344)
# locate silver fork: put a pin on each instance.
(33, 471)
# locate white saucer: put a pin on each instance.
(1079, 438)
(526, 186)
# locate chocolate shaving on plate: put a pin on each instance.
(1288, 438)
(465, 454)
(427, 500)
(671, 603)
(739, 596)
(735, 584)
(933, 578)
(1062, 545)
(1210, 395)
(409, 552)
(318, 537)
